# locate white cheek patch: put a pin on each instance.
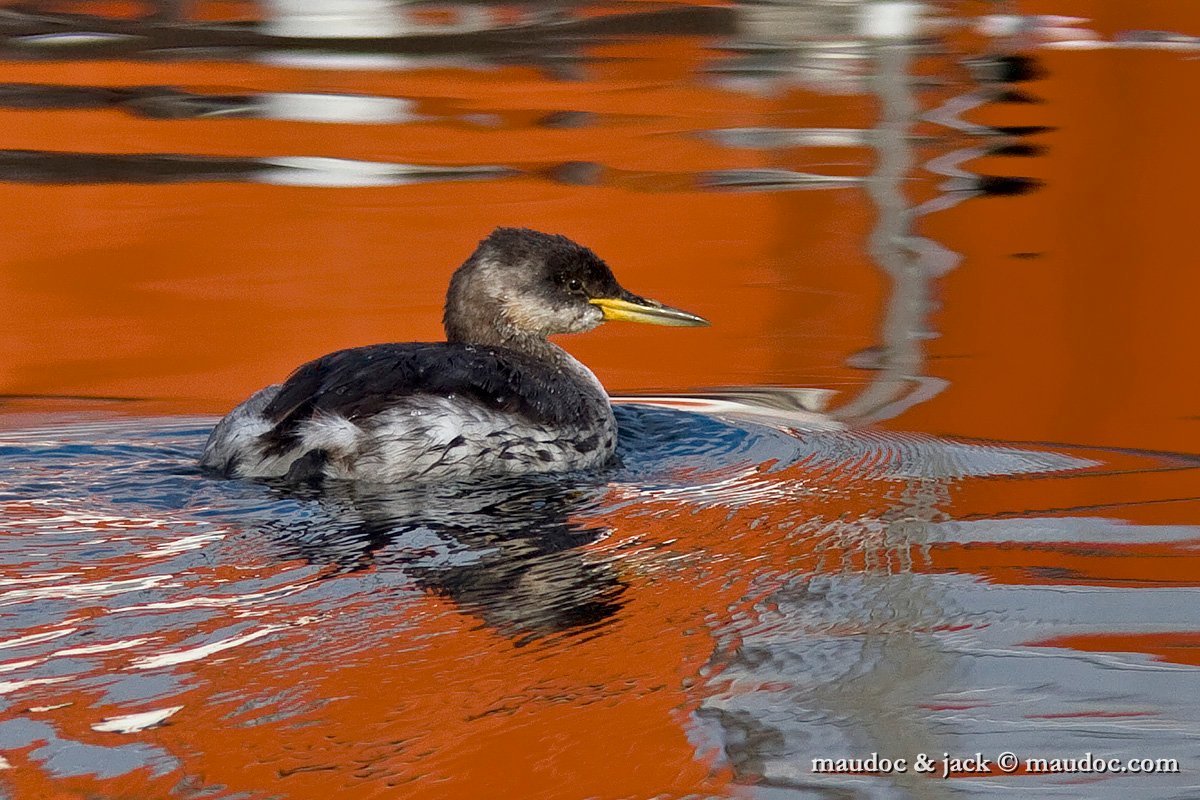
(530, 314)
(589, 319)
(526, 314)
(525, 307)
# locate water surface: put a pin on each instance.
(927, 485)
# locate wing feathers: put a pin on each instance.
(358, 383)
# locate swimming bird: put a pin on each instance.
(497, 397)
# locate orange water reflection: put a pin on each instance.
(1067, 321)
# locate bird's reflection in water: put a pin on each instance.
(508, 551)
(512, 551)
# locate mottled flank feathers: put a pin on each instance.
(393, 412)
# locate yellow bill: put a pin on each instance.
(650, 312)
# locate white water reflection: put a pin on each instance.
(135, 723)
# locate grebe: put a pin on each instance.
(497, 397)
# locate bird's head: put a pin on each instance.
(522, 283)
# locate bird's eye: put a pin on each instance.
(575, 285)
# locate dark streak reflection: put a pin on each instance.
(506, 551)
(31, 166)
(29, 33)
(174, 103)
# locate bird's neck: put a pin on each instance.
(500, 333)
(534, 346)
